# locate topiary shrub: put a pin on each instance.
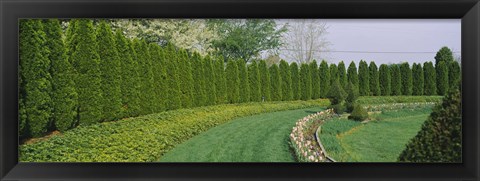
(359, 113)
(352, 96)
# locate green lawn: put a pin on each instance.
(376, 141)
(258, 138)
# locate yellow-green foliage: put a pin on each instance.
(145, 138)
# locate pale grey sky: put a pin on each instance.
(424, 37)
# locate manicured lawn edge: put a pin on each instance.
(145, 138)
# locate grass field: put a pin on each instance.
(381, 140)
(259, 138)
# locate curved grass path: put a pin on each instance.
(259, 138)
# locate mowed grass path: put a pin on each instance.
(384, 140)
(259, 138)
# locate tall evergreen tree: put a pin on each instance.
(406, 74)
(185, 75)
(35, 84)
(396, 87)
(64, 95)
(254, 82)
(342, 74)
(276, 83)
(418, 82)
(286, 76)
(374, 79)
(305, 82)
(444, 55)
(352, 73)
(295, 81)
(315, 79)
(173, 90)
(454, 72)
(199, 80)
(220, 83)
(363, 79)
(442, 78)
(324, 72)
(384, 80)
(129, 85)
(146, 76)
(334, 74)
(110, 72)
(265, 80)
(233, 82)
(211, 93)
(159, 75)
(430, 79)
(86, 62)
(243, 76)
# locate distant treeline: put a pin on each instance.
(91, 74)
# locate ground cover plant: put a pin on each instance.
(145, 138)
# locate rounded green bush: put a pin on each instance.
(359, 113)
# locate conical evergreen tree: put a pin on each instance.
(159, 75)
(324, 72)
(276, 83)
(254, 82)
(305, 82)
(374, 79)
(396, 88)
(334, 74)
(243, 76)
(35, 84)
(110, 72)
(211, 93)
(430, 79)
(352, 74)
(342, 74)
(286, 81)
(86, 62)
(442, 78)
(199, 80)
(220, 83)
(418, 82)
(130, 87)
(265, 80)
(146, 76)
(440, 139)
(363, 79)
(64, 95)
(185, 78)
(296, 94)
(406, 74)
(315, 79)
(384, 80)
(233, 82)
(454, 74)
(173, 91)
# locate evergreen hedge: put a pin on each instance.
(276, 83)
(305, 82)
(406, 76)
(430, 79)
(296, 91)
(396, 79)
(374, 79)
(442, 78)
(363, 78)
(418, 81)
(324, 72)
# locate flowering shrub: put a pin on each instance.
(302, 137)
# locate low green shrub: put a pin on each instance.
(337, 108)
(359, 113)
(145, 138)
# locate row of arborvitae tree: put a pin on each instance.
(91, 74)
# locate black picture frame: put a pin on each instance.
(466, 10)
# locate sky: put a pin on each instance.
(410, 40)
